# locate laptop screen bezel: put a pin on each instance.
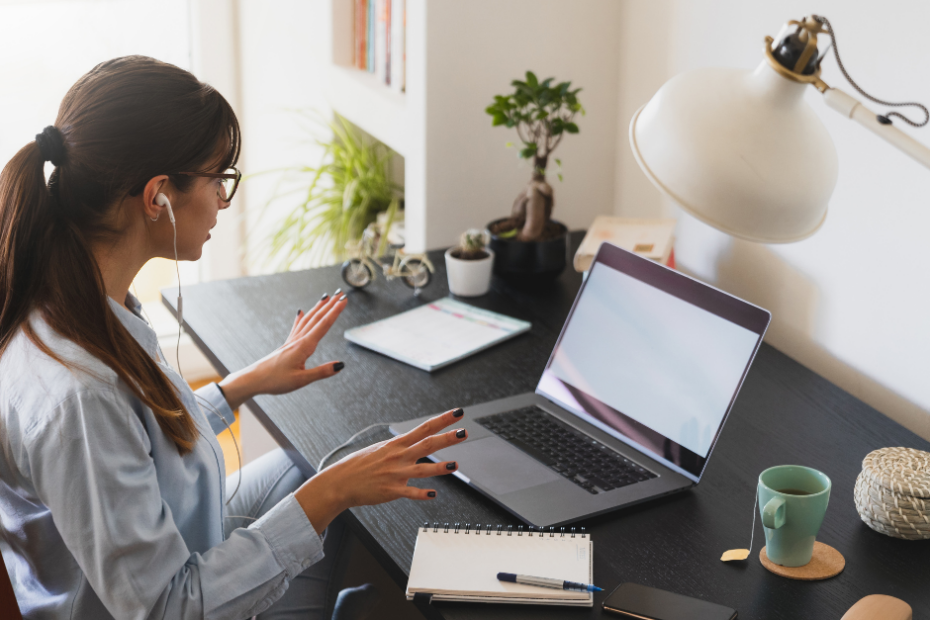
(688, 289)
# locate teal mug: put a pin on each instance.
(792, 501)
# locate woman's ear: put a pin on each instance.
(150, 205)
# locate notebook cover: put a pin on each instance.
(461, 564)
(431, 342)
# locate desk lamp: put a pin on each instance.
(742, 151)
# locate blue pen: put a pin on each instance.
(546, 582)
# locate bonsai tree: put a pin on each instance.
(542, 114)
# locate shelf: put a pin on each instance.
(361, 98)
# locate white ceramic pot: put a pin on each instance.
(469, 278)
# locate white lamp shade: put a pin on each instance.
(740, 150)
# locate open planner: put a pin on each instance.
(437, 333)
(460, 563)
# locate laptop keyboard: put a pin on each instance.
(583, 460)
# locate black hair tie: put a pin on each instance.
(51, 145)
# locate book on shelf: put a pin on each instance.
(651, 238)
(381, 33)
(361, 34)
(387, 43)
(380, 40)
(370, 37)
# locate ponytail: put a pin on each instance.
(126, 121)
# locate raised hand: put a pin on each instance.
(284, 369)
(381, 472)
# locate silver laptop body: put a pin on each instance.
(642, 377)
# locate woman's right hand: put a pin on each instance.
(380, 472)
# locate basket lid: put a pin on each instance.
(904, 471)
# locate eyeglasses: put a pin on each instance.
(228, 186)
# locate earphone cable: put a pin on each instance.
(177, 350)
(346, 443)
(203, 400)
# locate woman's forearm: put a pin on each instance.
(240, 386)
(321, 499)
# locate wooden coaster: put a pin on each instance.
(825, 563)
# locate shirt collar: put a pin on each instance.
(130, 315)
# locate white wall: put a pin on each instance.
(285, 52)
(472, 52)
(851, 301)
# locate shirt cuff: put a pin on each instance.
(217, 406)
(292, 537)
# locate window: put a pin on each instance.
(45, 46)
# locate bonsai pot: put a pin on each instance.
(469, 278)
(529, 262)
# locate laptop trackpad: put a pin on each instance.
(498, 466)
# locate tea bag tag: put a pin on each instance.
(742, 554)
(734, 554)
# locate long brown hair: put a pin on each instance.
(126, 121)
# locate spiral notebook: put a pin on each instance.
(437, 334)
(460, 563)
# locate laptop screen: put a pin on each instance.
(653, 357)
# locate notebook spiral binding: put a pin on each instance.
(478, 531)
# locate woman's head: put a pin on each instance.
(123, 133)
(128, 127)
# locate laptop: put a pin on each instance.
(630, 404)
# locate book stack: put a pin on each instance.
(380, 40)
(651, 238)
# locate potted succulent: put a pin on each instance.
(469, 265)
(531, 246)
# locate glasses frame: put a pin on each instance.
(218, 175)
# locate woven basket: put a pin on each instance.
(893, 492)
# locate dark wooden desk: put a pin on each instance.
(784, 414)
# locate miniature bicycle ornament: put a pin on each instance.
(415, 270)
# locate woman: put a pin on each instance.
(113, 497)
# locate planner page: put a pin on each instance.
(467, 563)
(436, 334)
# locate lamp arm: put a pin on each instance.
(852, 108)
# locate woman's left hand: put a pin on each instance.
(284, 369)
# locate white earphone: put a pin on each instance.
(162, 201)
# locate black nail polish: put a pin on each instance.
(343, 298)
(337, 291)
(460, 433)
(450, 465)
(458, 413)
(339, 366)
(324, 297)
(431, 494)
(298, 311)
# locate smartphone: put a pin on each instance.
(632, 600)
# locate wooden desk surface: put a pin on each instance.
(784, 414)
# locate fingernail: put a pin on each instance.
(298, 311)
(337, 291)
(324, 297)
(338, 366)
(431, 494)
(458, 413)
(343, 298)
(450, 465)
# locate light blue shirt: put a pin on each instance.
(104, 518)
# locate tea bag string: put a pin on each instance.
(742, 554)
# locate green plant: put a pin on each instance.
(344, 194)
(541, 114)
(472, 244)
